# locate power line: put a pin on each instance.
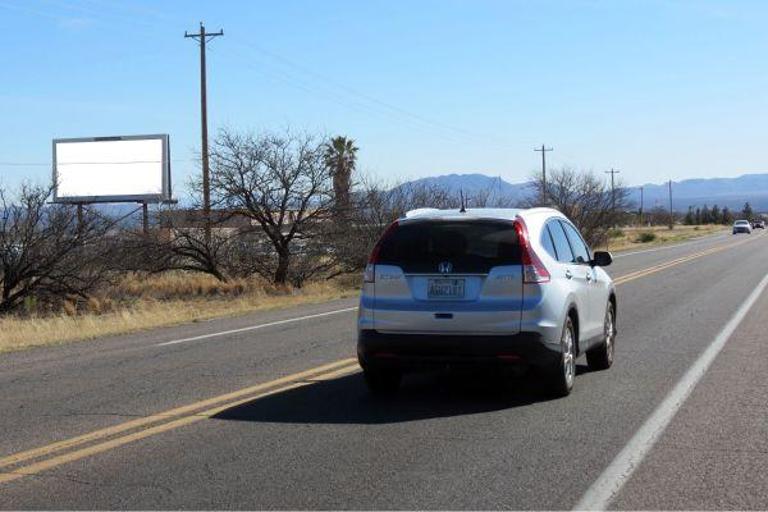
(342, 93)
(127, 162)
(50, 164)
(319, 89)
(24, 164)
(364, 96)
(340, 98)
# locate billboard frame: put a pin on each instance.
(165, 196)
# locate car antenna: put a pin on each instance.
(463, 208)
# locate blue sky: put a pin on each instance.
(657, 89)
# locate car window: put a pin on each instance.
(580, 250)
(546, 241)
(469, 246)
(562, 247)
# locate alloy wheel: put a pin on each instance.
(569, 358)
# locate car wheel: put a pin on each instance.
(562, 375)
(381, 381)
(601, 357)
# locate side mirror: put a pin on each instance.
(601, 259)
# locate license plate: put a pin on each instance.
(445, 289)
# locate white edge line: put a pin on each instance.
(609, 483)
(254, 327)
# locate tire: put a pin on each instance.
(382, 382)
(562, 375)
(601, 357)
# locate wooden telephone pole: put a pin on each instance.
(203, 37)
(671, 213)
(613, 173)
(544, 195)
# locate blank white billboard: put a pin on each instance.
(112, 169)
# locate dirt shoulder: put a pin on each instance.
(143, 304)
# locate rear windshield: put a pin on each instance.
(468, 246)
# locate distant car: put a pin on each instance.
(742, 226)
(758, 224)
(483, 286)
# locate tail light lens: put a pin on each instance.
(534, 271)
(369, 275)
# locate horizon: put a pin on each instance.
(525, 181)
(471, 87)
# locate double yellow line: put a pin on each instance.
(46, 457)
(31, 462)
(673, 263)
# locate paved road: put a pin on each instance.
(97, 424)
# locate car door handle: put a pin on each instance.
(568, 274)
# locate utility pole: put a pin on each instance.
(641, 205)
(202, 38)
(671, 215)
(613, 172)
(543, 149)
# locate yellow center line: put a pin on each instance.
(672, 263)
(111, 444)
(154, 424)
(162, 416)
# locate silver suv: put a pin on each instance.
(484, 286)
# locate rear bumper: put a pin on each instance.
(415, 351)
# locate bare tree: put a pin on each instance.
(46, 252)
(282, 183)
(659, 216)
(182, 243)
(491, 197)
(376, 206)
(584, 198)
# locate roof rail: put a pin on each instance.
(419, 211)
(542, 209)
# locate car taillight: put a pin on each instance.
(369, 275)
(534, 270)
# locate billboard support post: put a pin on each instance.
(145, 218)
(79, 218)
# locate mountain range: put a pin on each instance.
(730, 192)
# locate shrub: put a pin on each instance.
(645, 237)
(615, 233)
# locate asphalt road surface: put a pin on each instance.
(269, 410)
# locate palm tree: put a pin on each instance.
(340, 157)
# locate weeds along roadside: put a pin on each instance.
(137, 302)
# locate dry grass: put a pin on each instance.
(632, 238)
(137, 303)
